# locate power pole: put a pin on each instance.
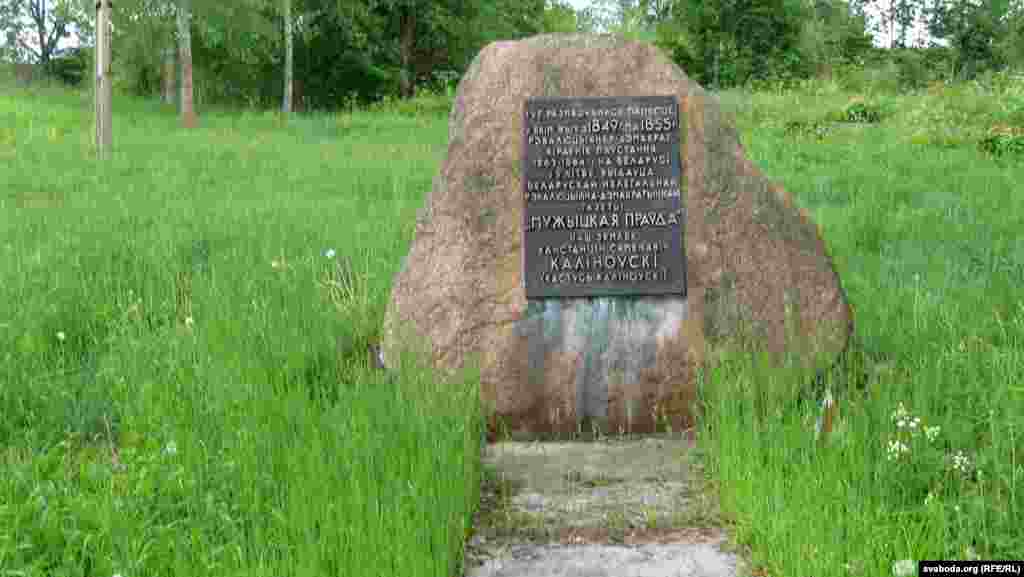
(103, 93)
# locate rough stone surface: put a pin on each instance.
(756, 264)
(670, 560)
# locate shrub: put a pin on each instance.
(1003, 140)
(425, 103)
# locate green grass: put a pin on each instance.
(184, 386)
(927, 237)
(181, 296)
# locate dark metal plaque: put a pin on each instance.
(602, 191)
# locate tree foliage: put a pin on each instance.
(345, 50)
(728, 42)
(834, 34)
(342, 48)
(978, 32)
(33, 30)
(560, 17)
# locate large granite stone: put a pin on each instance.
(757, 270)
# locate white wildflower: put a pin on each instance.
(896, 449)
(900, 413)
(61, 336)
(961, 462)
(904, 568)
(329, 253)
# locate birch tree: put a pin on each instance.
(286, 105)
(188, 113)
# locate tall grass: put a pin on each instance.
(183, 329)
(927, 461)
(185, 386)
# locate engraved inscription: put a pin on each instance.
(602, 193)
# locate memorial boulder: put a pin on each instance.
(595, 235)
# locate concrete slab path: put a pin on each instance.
(612, 507)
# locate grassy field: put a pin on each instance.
(184, 387)
(927, 233)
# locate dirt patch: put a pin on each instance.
(38, 200)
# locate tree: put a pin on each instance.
(834, 33)
(423, 36)
(145, 44)
(1011, 47)
(103, 88)
(11, 27)
(152, 36)
(184, 18)
(975, 30)
(403, 13)
(727, 42)
(50, 27)
(168, 75)
(559, 17)
(900, 17)
(34, 29)
(631, 19)
(286, 104)
(600, 15)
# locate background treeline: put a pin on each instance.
(348, 51)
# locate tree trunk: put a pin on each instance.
(286, 106)
(103, 90)
(298, 99)
(169, 74)
(718, 52)
(188, 113)
(39, 15)
(406, 43)
(24, 73)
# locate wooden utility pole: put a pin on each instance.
(103, 93)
